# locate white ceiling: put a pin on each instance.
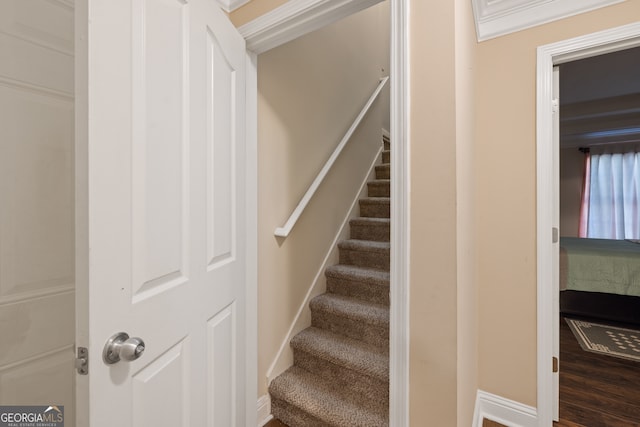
(599, 100)
(603, 76)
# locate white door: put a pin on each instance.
(161, 191)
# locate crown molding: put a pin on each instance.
(496, 18)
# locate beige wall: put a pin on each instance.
(443, 329)
(309, 92)
(433, 308)
(253, 9)
(506, 191)
(571, 171)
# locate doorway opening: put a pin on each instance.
(262, 35)
(599, 96)
(548, 152)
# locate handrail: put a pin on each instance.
(293, 218)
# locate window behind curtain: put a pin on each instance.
(611, 196)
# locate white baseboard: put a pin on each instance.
(264, 410)
(504, 411)
(302, 320)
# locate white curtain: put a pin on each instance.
(614, 196)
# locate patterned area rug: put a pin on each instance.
(605, 339)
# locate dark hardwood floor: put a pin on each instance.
(595, 390)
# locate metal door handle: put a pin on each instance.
(121, 347)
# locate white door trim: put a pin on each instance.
(296, 18)
(400, 225)
(288, 22)
(549, 55)
(251, 188)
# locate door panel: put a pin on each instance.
(221, 156)
(167, 374)
(160, 146)
(165, 212)
(221, 331)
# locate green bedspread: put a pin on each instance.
(600, 265)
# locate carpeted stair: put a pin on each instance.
(340, 375)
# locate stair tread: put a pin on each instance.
(321, 399)
(363, 283)
(343, 351)
(352, 308)
(380, 181)
(365, 245)
(370, 221)
(376, 200)
(358, 273)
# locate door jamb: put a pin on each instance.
(548, 56)
(294, 19)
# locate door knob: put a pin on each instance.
(121, 347)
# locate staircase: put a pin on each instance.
(340, 375)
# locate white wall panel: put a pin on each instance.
(51, 27)
(36, 193)
(37, 202)
(32, 327)
(43, 380)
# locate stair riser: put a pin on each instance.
(386, 156)
(383, 172)
(377, 189)
(375, 210)
(387, 145)
(375, 293)
(374, 392)
(377, 335)
(292, 415)
(379, 260)
(374, 232)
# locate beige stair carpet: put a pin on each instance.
(340, 375)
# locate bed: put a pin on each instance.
(600, 278)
